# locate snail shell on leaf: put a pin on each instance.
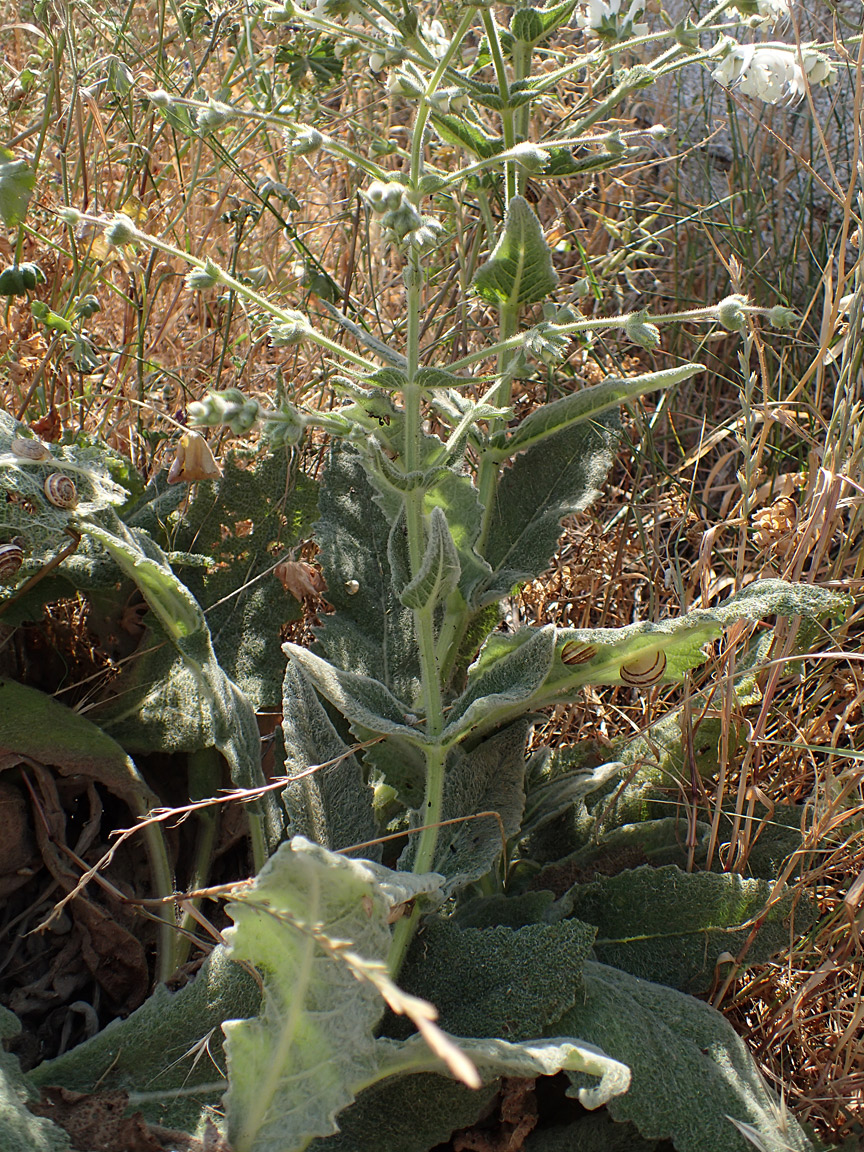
(574, 652)
(647, 669)
(11, 559)
(60, 491)
(29, 449)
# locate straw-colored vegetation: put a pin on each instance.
(753, 470)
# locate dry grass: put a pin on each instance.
(706, 496)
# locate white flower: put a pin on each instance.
(772, 72)
(763, 13)
(606, 20)
(436, 39)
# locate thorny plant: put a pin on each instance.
(435, 503)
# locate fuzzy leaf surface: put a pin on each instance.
(365, 703)
(528, 1059)
(588, 403)
(670, 926)
(465, 133)
(690, 1071)
(549, 481)
(499, 687)
(313, 1047)
(411, 1113)
(370, 633)
(489, 778)
(512, 983)
(20, 1130)
(593, 1132)
(679, 640)
(36, 725)
(439, 571)
(332, 807)
(519, 271)
(254, 512)
(226, 716)
(26, 512)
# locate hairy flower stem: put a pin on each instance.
(415, 517)
(487, 474)
(508, 125)
(424, 859)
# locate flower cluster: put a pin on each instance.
(606, 19)
(399, 215)
(763, 13)
(772, 72)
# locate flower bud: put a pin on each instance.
(403, 83)
(640, 332)
(203, 279)
(614, 144)
(385, 197)
(285, 428)
(284, 14)
(404, 219)
(782, 317)
(305, 142)
(528, 156)
(70, 216)
(288, 333)
(731, 314)
(428, 233)
(230, 407)
(161, 98)
(239, 413)
(120, 230)
(213, 116)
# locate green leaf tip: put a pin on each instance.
(519, 270)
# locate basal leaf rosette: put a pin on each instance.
(316, 926)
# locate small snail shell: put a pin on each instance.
(29, 449)
(60, 491)
(573, 652)
(352, 587)
(11, 559)
(645, 670)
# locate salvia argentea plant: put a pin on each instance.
(412, 712)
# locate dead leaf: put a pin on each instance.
(95, 1122)
(302, 580)
(193, 461)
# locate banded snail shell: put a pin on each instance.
(11, 559)
(29, 449)
(647, 669)
(574, 652)
(60, 491)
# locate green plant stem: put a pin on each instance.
(508, 127)
(415, 522)
(204, 780)
(521, 70)
(162, 879)
(425, 106)
(487, 474)
(425, 855)
(601, 324)
(244, 290)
